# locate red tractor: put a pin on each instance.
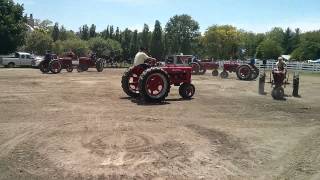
(69, 60)
(153, 83)
(278, 80)
(199, 67)
(245, 72)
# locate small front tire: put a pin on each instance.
(187, 90)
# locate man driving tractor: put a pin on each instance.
(281, 65)
(142, 57)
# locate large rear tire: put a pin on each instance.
(187, 90)
(99, 65)
(244, 72)
(129, 83)
(154, 85)
(44, 67)
(195, 68)
(55, 66)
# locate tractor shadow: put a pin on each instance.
(141, 102)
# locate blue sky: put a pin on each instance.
(251, 15)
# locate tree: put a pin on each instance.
(92, 32)
(288, 41)
(12, 26)
(79, 47)
(268, 49)
(181, 32)
(111, 31)
(145, 36)
(104, 47)
(222, 41)
(276, 34)
(118, 35)
(84, 32)
(38, 42)
(56, 32)
(309, 48)
(157, 47)
(125, 43)
(63, 35)
(134, 45)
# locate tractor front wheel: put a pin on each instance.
(215, 72)
(69, 68)
(195, 68)
(187, 90)
(224, 75)
(55, 67)
(255, 73)
(278, 93)
(154, 85)
(129, 83)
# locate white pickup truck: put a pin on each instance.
(17, 59)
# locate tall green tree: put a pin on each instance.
(118, 35)
(125, 43)
(92, 31)
(84, 32)
(134, 45)
(157, 47)
(276, 34)
(56, 32)
(12, 26)
(38, 42)
(268, 49)
(309, 47)
(111, 32)
(145, 36)
(287, 43)
(104, 47)
(181, 32)
(63, 35)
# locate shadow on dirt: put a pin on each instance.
(141, 102)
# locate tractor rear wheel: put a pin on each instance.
(154, 85)
(244, 72)
(99, 65)
(195, 68)
(44, 67)
(187, 90)
(278, 93)
(215, 72)
(224, 75)
(55, 67)
(129, 83)
(69, 68)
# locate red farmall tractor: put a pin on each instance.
(153, 83)
(245, 72)
(70, 60)
(278, 80)
(199, 67)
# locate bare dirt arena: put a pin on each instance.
(82, 126)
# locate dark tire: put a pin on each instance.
(202, 70)
(215, 72)
(195, 68)
(44, 67)
(154, 85)
(128, 86)
(244, 72)
(187, 91)
(79, 69)
(278, 93)
(99, 65)
(11, 65)
(255, 73)
(82, 68)
(69, 68)
(224, 75)
(55, 66)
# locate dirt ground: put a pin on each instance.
(82, 126)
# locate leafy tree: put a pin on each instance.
(125, 43)
(221, 41)
(288, 41)
(145, 36)
(84, 32)
(118, 35)
(56, 32)
(276, 34)
(92, 32)
(181, 32)
(79, 47)
(63, 35)
(157, 47)
(309, 48)
(134, 46)
(12, 26)
(38, 42)
(268, 49)
(104, 47)
(111, 32)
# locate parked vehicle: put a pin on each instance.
(36, 61)
(17, 59)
